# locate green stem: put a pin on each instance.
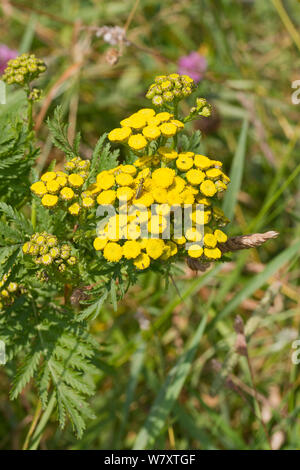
(33, 214)
(42, 424)
(33, 424)
(29, 116)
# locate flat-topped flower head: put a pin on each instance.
(23, 69)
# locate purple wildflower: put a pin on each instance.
(193, 65)
(5, 55)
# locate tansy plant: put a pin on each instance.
(95, 226)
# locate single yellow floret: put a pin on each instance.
(220, 236)
(124, 179)
(167, 153)
(157, 224)
(164, 116)
(99, 243)
(137, 142)
(193, 235)
(146, 112)
(195, 177)
(125, 193)
(151, 132)
(184, 163)
(120, 134)
(107, 197)
(168, 130)
(163, 177)
(213, 253)
(208, 188)
(49, 176)
(75, 180)
(155, 247)
(142, 261)
(202, 162)
(38, 188)
(129, 169)
(113, 252)
(88, 202)
(210, 240)
(74, 209)
(67, 193)
(105, 180)
(49, 200)
(153, 121)
(195, 251)
(131, 249)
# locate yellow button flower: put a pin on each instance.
(155, 247)
(142, 261)
(38, 188)
(88, 202)
(214, 173)
(163, 177)
(164, 116)
(137, 142)
(105, 180)
(195, 177)
(46, 259)
(202, 162)
(167, 153)
(180, 241)
(208, 188)
(151, 132)
(49, 176)
(129, 169)
(49, 200)
(113, 252)
(120, 134)
(107, 197)
(131, 249)
(220, 236)
(174, 198)
(184, 162)
(213, 253)
(75, 180)
(53, 186)
(195, 251)
(177, 123)
(160, 195)
(193, 235)
(125, 193)
(124, 179)
(168, 130)
(99, 243)
(74, 209)
(67, 193)
(153, 121)
(157, 224)
(146, 112)
(210, 240)
(62, 180)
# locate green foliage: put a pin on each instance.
(57, 352)
(16, 161)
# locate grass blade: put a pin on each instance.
(169, 393)
(236, 173)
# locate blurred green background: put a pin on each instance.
(169, 375)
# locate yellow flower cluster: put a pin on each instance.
(65, 187)
(143, 228)
(23, 69)
(7, 294)
(46, 251)
(139, 129)
(169, 88)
